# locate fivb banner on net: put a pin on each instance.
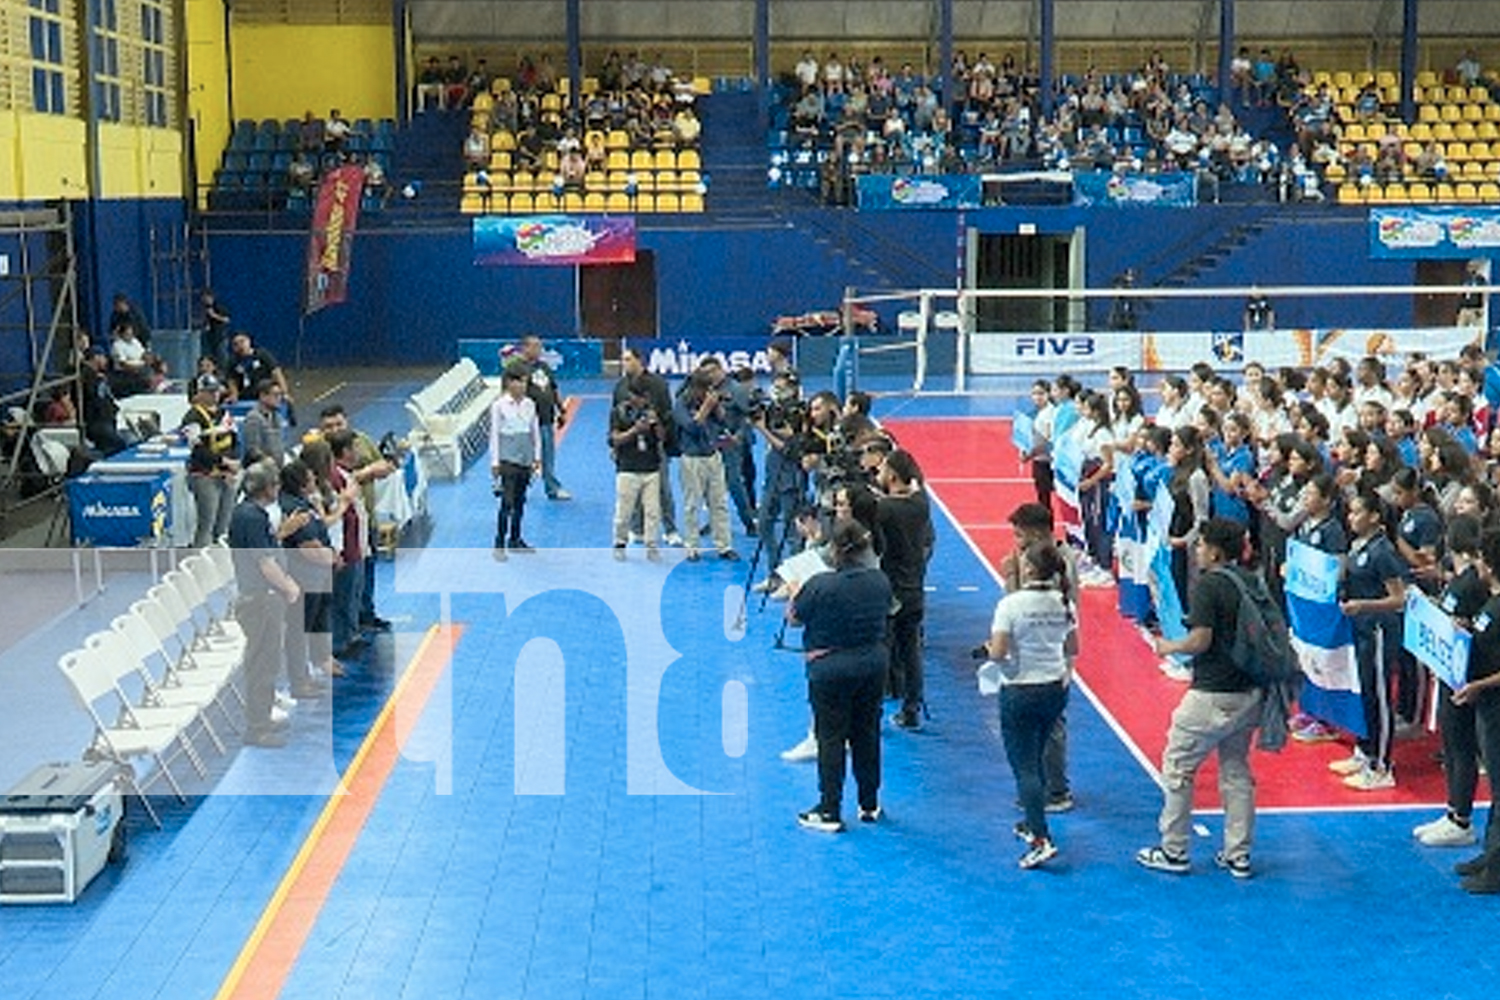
(1050, 353)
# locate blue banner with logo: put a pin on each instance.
(119, 511)
(1435, 232)
(1108, 189)
(1435, 639)
(885, 192)
(677, 358)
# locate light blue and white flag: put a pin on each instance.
(1322, 638)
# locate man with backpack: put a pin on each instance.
(1223, 706)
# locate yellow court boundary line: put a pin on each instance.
(272, 949)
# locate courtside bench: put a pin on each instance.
(451, 419)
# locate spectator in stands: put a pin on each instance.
(611, 74)
(480, 79)
(1468, 71)
(1242, 74)
(59, 410)
(685, 127)
(1430, 164)
(431, 85)
(477, 149)
(301, 173)
(336, 133)
(456, 81)
(806, 70)
(126, 314)
(249, 366)
(134, 368)
(310, 134)
(375, 181)
(101, 412)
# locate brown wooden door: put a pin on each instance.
(618, 300)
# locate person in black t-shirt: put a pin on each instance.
(1482, 874)
(904, 538)
(1219, 711)
(843, 615)
(636, 436)
(1462, 598)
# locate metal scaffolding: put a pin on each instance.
(38, 306)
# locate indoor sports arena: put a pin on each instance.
(729, 498)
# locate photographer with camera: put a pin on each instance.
(701, 428)
(781, 419)
(636, 436)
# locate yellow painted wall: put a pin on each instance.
(41, 156)
(208, 83)
(280, 71)
(139, 162)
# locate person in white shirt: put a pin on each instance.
(807, 70)
(515, 454)
(1173, 412)
(1033, 639)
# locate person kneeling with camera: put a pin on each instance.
(844, 615)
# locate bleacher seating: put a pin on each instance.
(451, 419)
(253, 172)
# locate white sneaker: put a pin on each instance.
(279, 714)
(1443, 832)
(284, 701)
(1371, 779)
(806, 750)
(636, 538)
(673, 538)
(1348, 765)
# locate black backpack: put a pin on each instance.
(1262, 648)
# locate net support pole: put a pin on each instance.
(965, 327)
(924, 321)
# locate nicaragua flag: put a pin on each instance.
(1131, 575)
(1322, 638)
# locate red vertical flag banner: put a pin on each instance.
(335, 216)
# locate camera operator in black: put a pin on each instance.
(904, 539)
(634, 373)
(636, 434)
(738, 396)
(781, 420)
(701, 428)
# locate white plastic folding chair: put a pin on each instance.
(198, 648)
(217, 594)
(181, 657)
(119, 733)
(137, 649)
(206, 626)
(113, 657)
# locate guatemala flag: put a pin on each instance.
(1322, 638)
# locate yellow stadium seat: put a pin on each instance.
(593, 201)
(667, 202)
(595, 180)
(1412, 150)
(645, 180)
(1322, 76)
(666, 180)
(500, 85)
(617, 139)
(688, 159)
(1396, 192)
(1489, 191)
(1343, 78)
(689, 180)
(1473, 112)
(1479, 95)
(1472, 170)
(665, 159)
(503, 141)
(1421, 132)
(1374, 193)
(1487, 131)
(500, 163)
(618, 160)
(472, 204)
(572, 202)
(1354, 132)
(522, 180)
(551, 102)
(1492, 170)
(1442, 132)
(550, 160)
(645, 203)
(521, 203)
(472, 185)
(1419, 192)
(1451, 113)
(590, 85)
(1348, 194)
(702, 86)
(617, 201)
(640, 160)
(1443, 193)
(1334, 173)
(1465, 132)
(1427, 78)
(692, 202)
(1456, 152)
(1385, 78)
(615, 181)
(483, 103)
(1428, 113)
(1466, 192)
(564, 86)
(1492, 111)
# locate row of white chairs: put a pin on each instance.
(150, 681)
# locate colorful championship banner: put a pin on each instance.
(1108, 189)
(335, 216)
(1050, 353)
(1322, 638)
(553, 240)
(1435, 639)
(887, 192)
(1435, 232)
